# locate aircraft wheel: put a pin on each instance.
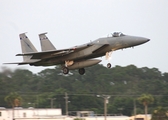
(65, 70)
(81, 71)
(109, 65)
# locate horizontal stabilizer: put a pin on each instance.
(23, 63)
(53, 53)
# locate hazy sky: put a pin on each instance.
(75, 22)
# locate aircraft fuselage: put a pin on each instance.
(96, 48)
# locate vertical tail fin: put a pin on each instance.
(26, 46)
(45, 43)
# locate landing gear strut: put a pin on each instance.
(65, 68)
(108, 57)
(81, 71)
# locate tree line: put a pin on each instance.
(125, 85)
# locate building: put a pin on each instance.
(140, 117)
(29, 113)
(107, 118)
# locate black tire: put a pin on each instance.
(109, 65)
(81, 71)
(65, 70)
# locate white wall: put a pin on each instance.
(7, 114)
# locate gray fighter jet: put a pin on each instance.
(77, 57)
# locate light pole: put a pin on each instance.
(105, 97)
(66, 103)
(52, 99)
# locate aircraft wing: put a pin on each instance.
(54, 53)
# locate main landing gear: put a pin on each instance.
(65, 70)
(81, 71)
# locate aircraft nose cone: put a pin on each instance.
(148, 40)
(142, 40)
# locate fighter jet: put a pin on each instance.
(77, 57)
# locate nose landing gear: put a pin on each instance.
(108, 57)
(109, 65)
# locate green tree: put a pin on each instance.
(121, 105)
(13, 99)
(146, 99)
(159, 114)
(117, 81)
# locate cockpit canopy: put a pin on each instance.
(117, 34)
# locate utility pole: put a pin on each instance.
(66, 104)
(52, 99)
(105, 97)
(135, 109)
(37, 98)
